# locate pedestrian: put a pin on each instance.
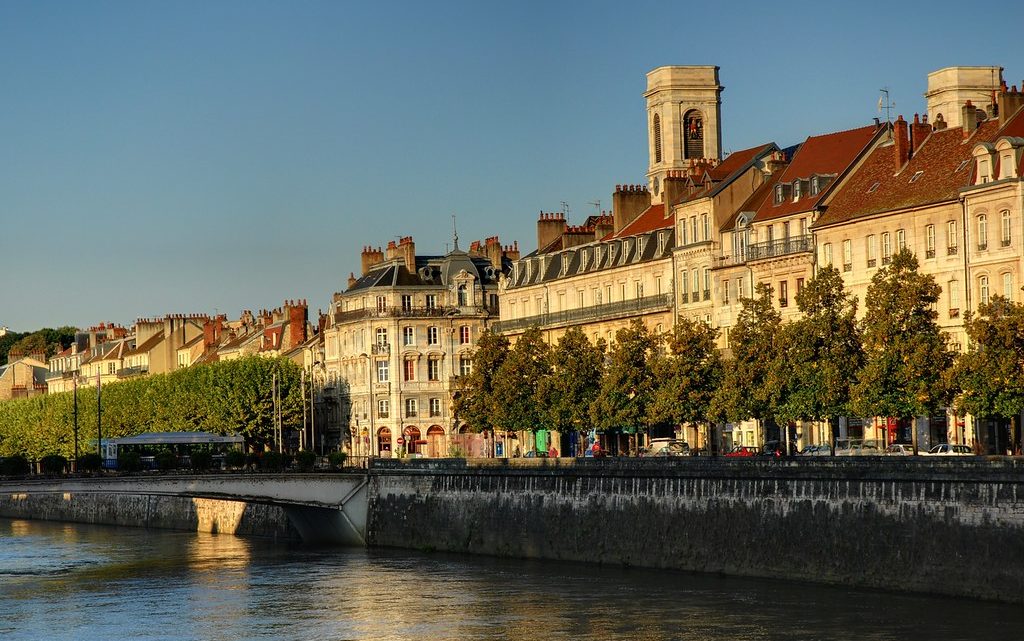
(552, 452)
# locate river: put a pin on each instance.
(68, 581)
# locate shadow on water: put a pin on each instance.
(95, 582)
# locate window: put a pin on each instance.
(408, 336)
(1008, 286)
(872, 249)
(382, 336)
(682, 232)
(785, 231)
(951, 238)
(780, 194)
(1004, 225)
(983, 289)
(465, 366)
(873, 187)
(847, 255)
(707, 284)
(579, 298)
(382, 304)
(954, 299)
(826, 254)
(886, 249)
(725, 292)
(433, 336)
(622, 292)
(783, 293)
(435, 407)
(799, 285)
(693, 229)
(984, 175)
(803, 226)
(433, 369)
(796, 190)
(608, 293)
(463, 294)
(406, 302)
(431, 301)
(657, 285)
(639, 289)
(383, 408)
(704, 227)
(929, 241)
(382, 371)
(901, 240)
(408, 370)
(696, 285)
(982, 232)
(464, 335)
(683, 282)
(410, 408)
(656, 135)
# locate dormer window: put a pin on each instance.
(815, 185)
(583, 259)
(984, 171)
(1006, 165)
(779, 194)
(796, 190)
(916, 176)
(639, 247)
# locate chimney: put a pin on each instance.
(297, 318)
(969, 118)
(919, 130)
(628, 202)
(775, 162)
(210, 333)
(901, 144)
(351, 280)
(674, 187)
(407, 252)
(492, 250)
(1010, 101)
(605, 225)
(549, 228)
(511, 252)
(371, 258)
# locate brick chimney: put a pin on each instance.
(492, 250)
(212, 328)
(674, 187)
(775, 162)
(900, 142)
(628, 202)
(550, 226)
(352, 280)
(511, 252)
(919, 130)
(1009, 101)
(604, 225)
(298, 315)
(969, 117)
(371, 257)
(406, 251)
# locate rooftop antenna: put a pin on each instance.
(885, 103)
(565, 209)
(455, 235)
(597, 204)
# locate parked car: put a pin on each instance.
(778, 448)
(857, 447)
(667, 447)
(900, 449)
(947, 449)
(742, 451)
(821, 449)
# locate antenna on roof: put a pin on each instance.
(565, 209)
(597, 204)
(455, 235)
(885, 103)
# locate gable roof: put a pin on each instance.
(727, 171)
(753, 202)
(653, 218)
(824, 155)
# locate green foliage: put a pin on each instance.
(988, 376)
(91, 462)
(516, 384)
(473, 399)
(232, 397)
(53, 464)
(745, 392)
(271, 462)
(627, 386)
(905, 353)
(234, 459)
(819, 354)
(45, 341)
(686, 376)
(305, 460)
(16, 465)
(456, 452)
(201, 461)
(337, 460)
(129, 462)
(566, 395)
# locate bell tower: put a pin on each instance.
(683, 124)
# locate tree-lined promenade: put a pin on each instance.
(895, 362)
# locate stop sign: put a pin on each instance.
(401, 441)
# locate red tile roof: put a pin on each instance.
(939, 159)
(726, 171)
(828, 154)
(651, 219)
(754, 202)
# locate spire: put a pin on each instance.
(455, 235)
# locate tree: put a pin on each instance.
(628, 384)
(566, 395)
(820, 354)
(517, 383)
(745, 392)
(987, 377)
(687, 376)
(905, 353)
(472, 399)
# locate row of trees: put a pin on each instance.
(46, 341)
(232, 397)
(895, 362)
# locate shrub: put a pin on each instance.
(16, 465)
(286, 460)
(271, 462)
(166, 460)
(201, 461)
(129, 462)
(305, 460)
(53, 464)
(90, 462)
(456, 452)
(254, 460)
(235, 459)
(337, 459)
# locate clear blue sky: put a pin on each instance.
(180, 157)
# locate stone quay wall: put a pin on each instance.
(946, 526)
(148, 510)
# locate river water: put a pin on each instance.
(64, 581)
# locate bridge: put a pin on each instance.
(323, 508)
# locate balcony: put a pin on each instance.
(684, 298)
(982, 246)
(707, 294)
(951, 251)
(872, 262)
(1004, 242)
(380, 349)
(128, 372)
(930, 253)
(886, 260)
(847, 267)
(594, 313)
(416, 312)
(777, 248)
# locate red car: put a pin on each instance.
(743, 450)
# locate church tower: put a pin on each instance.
(683, 107)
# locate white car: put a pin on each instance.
(946, 449)
(900, 449)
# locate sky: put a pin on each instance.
(209, 157)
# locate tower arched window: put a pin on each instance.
(693, 134)
(656, 133)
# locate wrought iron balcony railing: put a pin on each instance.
(775, 248)
(659, 302)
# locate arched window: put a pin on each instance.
(982, 232)
(983, 289)
(656, 134)
(693, 134)
(463, 295)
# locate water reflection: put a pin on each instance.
(78, 582)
